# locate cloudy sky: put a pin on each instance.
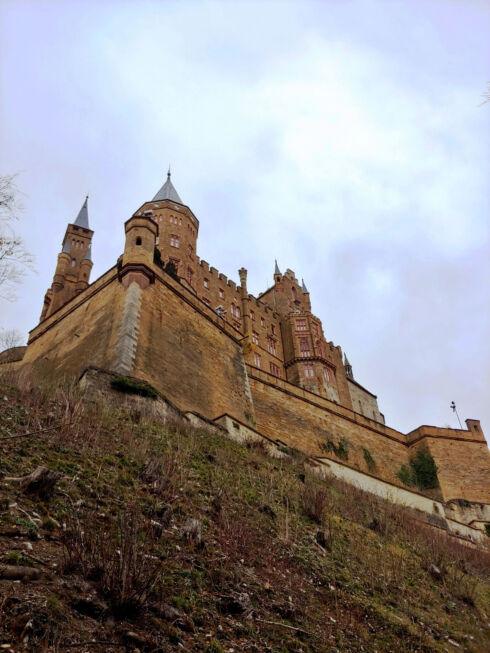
(344, 138)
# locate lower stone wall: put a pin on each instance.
(79, 335)
(187, 357)
(310, 428)
(463, 468)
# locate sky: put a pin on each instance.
(345, 138)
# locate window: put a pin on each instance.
(206, 283)
(173, 219)
(221, 293)
(190, 274)
(257, 359)
(174, 241)
(304, 347)
(309, 371)
(271, 346)
(273, 329)
(301, 325)
(262, 322)
(235, 311)
(252, 316)
(274, 369)
(138, 240)
(328, 375)
(73, 263)
(255, 338)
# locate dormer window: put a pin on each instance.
(174, 241)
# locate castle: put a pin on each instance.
(258, 366)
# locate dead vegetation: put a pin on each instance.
(155, 538)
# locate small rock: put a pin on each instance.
(192, 531)
(435, 572)
(267, 510)
(322, 539)
(236, 603)
(90, 606)
(170, 613)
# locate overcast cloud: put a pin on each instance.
(343, 138)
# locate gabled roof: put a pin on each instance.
(82, 217)
(167, 192)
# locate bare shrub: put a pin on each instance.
(314, 500)
(114, 558)
(164, 472)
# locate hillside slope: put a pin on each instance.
(164, 537)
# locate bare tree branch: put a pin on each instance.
(15, 260)
(10, 338)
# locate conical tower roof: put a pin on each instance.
(167, 192)
(276, 268)
(82, 217)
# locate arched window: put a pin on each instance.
(138, 240)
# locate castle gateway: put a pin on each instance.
(261, 364)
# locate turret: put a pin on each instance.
(247, 327)
(72, 274)
(306, 296)
(277, 273)
(178, 228)
(141, 237)
(348, 368)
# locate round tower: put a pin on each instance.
(141, 237)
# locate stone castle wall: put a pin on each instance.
(140, 321)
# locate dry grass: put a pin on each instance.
(326, 559)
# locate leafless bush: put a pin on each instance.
(314, 499)
(114, 558)
(164, 473)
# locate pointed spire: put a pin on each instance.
(348, 368)
(276, 269)
(303, 287)
(82, 217)
(167, 191)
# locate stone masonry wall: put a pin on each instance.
(187, 357)
(80, 334)
(309, 425)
